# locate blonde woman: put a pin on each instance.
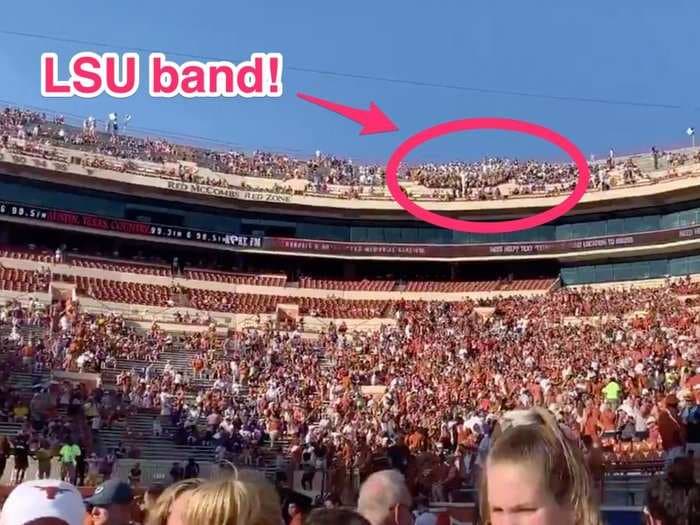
(535, 475)
(169, 508)
(245, 498)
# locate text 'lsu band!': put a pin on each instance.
(91, 74)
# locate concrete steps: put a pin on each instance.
(157, 451)
(163, 448)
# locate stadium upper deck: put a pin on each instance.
(510, 186)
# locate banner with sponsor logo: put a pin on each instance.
(357, 249)
(467, 250)
(94, 222)
(348, 249)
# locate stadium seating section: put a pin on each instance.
(32, 255)
(365, 285)
(16, 280)
(122, 267)
(478, 286)
(236, 278)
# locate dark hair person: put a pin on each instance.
(334, 516)
(673, 499)
(535, 475)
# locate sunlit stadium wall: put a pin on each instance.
(125, 207)
(631, 271)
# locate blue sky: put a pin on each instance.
(636, 51)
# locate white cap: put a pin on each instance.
(33, 501)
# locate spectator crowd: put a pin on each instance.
(620, 370)
(490, 178)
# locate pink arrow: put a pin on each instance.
(373, 120)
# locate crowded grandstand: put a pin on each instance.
(152, 333)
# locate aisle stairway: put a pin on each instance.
(21, 378)
(28, 331)
(152, 448)
(155, 448)
(163, 448)
(160, 452)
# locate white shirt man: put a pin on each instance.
(227, 425)
(165, 408)
(235, 386)
(157, 427)
(15, 336)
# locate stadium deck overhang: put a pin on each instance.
(680, 189)
(641, 244)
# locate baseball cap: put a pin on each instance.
(112, 492)
(47, 501)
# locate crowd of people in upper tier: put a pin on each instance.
(490, 178)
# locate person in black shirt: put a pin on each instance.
(80, 470)
(5, 451)
(20, 450)
(97, 395)
(135, 475)
(120, 452)
(191, 469)
(655, 154)
(693, 424)
(398, 455)
(177, 473)
(180, 436)
(107, 465)
(309, 469)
